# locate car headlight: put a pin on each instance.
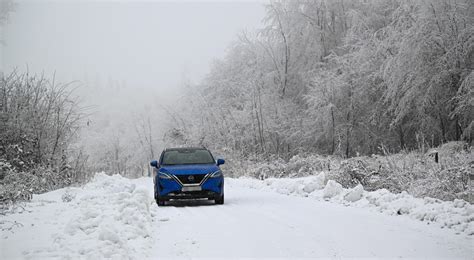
(216, 174)
(163, 175)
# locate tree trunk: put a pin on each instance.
(347, 139)
(401, 137)
(333, 132)
(443, 128)
(348, 120)
(458, 130)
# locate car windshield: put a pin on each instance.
(187, 156)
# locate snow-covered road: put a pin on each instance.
(256, 223)
(251, 223)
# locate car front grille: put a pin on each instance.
(187, 179)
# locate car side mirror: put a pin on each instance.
(154, 163)
(220, 162)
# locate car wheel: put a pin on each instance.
(219, 200)
(160, 202)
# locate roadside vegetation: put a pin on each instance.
(362, 90)
(39, 122)
(414, 172)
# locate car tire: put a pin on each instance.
(219, 200)
(160, 202)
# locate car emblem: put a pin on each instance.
(190, 178)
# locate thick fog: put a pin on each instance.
(143, 45)
(128, 62)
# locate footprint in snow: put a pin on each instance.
(164, 219)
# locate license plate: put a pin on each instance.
(192, 188)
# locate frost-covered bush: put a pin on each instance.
(19, 186)
(15, 187)
(414, 172)
(297, 166)
(39, 120)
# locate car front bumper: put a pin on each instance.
(174, 189)
(191, 195)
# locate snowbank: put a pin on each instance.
(111, 219)
(415, 172)
(332, 189)
(457, 214)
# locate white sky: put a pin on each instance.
(145, 44)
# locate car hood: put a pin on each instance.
(189, 169)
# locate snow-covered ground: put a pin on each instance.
(109, 217)
(114, 217)
(457, 214)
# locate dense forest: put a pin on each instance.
(341, 78)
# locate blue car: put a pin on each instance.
(188, 173)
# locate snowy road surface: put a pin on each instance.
(116, 217)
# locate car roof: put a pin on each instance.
(185, 148)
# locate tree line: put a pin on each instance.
(339, 77)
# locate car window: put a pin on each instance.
(199, 156)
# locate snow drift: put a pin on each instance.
(111, 219)
(457, 214)
(114, 217)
